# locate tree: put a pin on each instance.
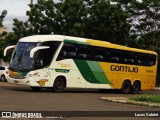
(146, 23)
(3, 33)
(108, 22)
(97, 19)
(6, 39)
(2, 16)
(10, 39)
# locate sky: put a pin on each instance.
(16, 9)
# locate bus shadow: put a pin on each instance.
(66, 91)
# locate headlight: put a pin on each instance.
(31, 74)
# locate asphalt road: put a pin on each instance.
(21, 98)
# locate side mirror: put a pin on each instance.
(7, 48)
(36, 49)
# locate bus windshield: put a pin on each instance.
(21, 60)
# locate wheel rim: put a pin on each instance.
(136, 87)
(3, 78)
(126, 87)
(59, 85)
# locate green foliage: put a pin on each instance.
(145, 21)
(2, 34)
(146, 98)
(145, 17)
(2, 16)
(10, 39)
(108, 22)
(97, 19)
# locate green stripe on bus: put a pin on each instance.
(92, 71)
(77, 42)
(98, 72)
(86, 71)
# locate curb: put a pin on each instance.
(157, 88)
(126, 101)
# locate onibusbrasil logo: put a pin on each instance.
(21, 115)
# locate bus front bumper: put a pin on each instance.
(24, 81)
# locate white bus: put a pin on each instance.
(58, 62)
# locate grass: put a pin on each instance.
(146, 98)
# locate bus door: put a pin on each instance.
(43, 59)
(42, 70)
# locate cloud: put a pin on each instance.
(13, 7)
(8, 21)
(16, 9)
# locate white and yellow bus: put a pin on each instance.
(58, 62)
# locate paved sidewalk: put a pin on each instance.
(126, 101)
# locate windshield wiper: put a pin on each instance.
(19, 60)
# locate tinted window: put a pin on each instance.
(151, 60)
(129, 58)
(101, 54)
(115, 56)
(141, 59)
(45, 56)
(68, 51)
(85, 52)
(2, 68)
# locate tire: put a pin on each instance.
(126, 87)
(136, 87)
(3, 78)
(36, 89)
(59, 85)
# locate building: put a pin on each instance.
(3, 29)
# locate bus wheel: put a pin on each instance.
(59, 85)
(36, 89)
(3, 78)
(126, 87)
(136, 87)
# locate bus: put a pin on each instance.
(58, 62)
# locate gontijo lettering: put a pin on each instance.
(124, 68)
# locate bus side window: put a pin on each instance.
(115, 56)
(129, 58)
(71, 54)
(141, 59)
(45, 56)
(62, 55)
(68, 51)
(99, 58)
(115, 59)
(82, 56)
(100, 54)
(85, 52)
(151, 60)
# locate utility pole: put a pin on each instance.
(31, 5)
(31, 2)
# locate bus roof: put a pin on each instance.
(42, 38)
(78, 40)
